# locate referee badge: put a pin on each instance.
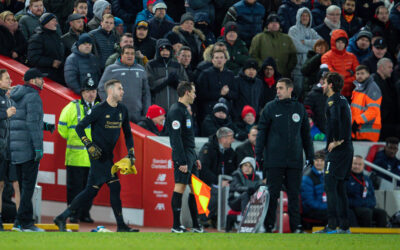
(296, 117)
(188, 123)
(176, 124)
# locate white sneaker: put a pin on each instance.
(179, 230)
(33, 228)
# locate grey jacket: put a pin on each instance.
(134, 81)
(26, 125)
(28, 23)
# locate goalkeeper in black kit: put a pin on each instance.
(106, 120)
(339, 156)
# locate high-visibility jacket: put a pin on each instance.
(366, 110)
(75, 154)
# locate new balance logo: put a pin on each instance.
(161, 177)
(160, 207)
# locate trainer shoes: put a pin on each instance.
(197, 230)
(17, 228)
(61, 223)
(33, 228)
(326, 230)
(343, 231)
(125, 229)
(179, 230)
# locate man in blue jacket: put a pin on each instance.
(313, 196)
(360, 192)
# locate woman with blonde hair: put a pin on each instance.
(12, 41)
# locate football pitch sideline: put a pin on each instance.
(110, 241)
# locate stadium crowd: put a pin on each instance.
(235, 51)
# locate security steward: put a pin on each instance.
(179, 124)
(77, 160)
(106, 120)
(339, 157)
(6, 112)
(283, 132)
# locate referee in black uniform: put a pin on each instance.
(106, 120)
(339, 154)
(179, 124)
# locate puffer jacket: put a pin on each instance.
(80, 67)
(287, 14)
(28, 23)
(103, 44)
(195, 41)
(26, 126)
(359, 53)
(355, 191)
(342, 62)
(5, 103)
(195, 6)
(312, 191)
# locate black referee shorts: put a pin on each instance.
(185, 178)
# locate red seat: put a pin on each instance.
(371, 154)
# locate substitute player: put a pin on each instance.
(106, 120)
(339, 154)
(179, 124)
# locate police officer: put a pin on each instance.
(76, 157)
(106, 120)
(339, 157)
(283, 132)
(6, 111)
(179, 124)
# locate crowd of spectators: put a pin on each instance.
(234, 51)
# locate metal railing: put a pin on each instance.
(394, 177)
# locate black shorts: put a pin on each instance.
(4, 164)
(100, 172)
(12, 173)
(338, 162)
(185, 178)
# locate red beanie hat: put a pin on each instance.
(155, 111)
(248, 109)
(150, 2)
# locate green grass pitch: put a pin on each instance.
(118, 241)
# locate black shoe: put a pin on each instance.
(299, 231)
(126, 229)
(73, 219)
(86, 219)
(61, 223)
(179, 230)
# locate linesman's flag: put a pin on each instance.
(202, 193)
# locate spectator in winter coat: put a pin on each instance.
(379, 50)
(82, 66)
(331, 22)
(215, 82)
(191, 37)
(81, 8)
(315, 101)
(133, 78)
(207, 57)
(387, 159)
(313, 196)
(203, 23)
(218, 119)
(61, 9)
(360, 45)
(248, 14)
(246, 149)
(246, 121)
(275, 44)
(159, 25)
(127, 11)
(312, 65)
(389, 109)
(100, 8)
(249, 88)
(366, 9)
(147, 13)
(30, 21)
(270, 76)
(237, 49)
(349, 21)
(287, 13)
(76, 27)
(361, 195)
(104, 39)
(143, 42)
(184, 57)
(47, 56)
(175, 41)
(304, 38)
(341, 61)
(196, 6)
(12, 41)
(154, 121)
(319, 11)
(394, 16)
(126, 39)
(164, 74)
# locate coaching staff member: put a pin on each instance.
(106, 120)
(283, 132)
(179, 124)
(340, 154)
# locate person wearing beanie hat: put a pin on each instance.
(81, 65)
(77, 161)
(175, 41)
(246, 121)
(236, 47)
(360, 45)
(76, 27)
(159, 24)
(154, 121)
(249, 15)
(100, 8)
(147, 13)
(119, 26)
(45, 55)
(219, 118)
(187, 17)
(202, 22)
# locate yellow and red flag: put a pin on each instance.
(202, 193)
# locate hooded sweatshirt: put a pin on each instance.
(98, 9)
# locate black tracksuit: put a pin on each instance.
(283, 132)
(338, 162)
